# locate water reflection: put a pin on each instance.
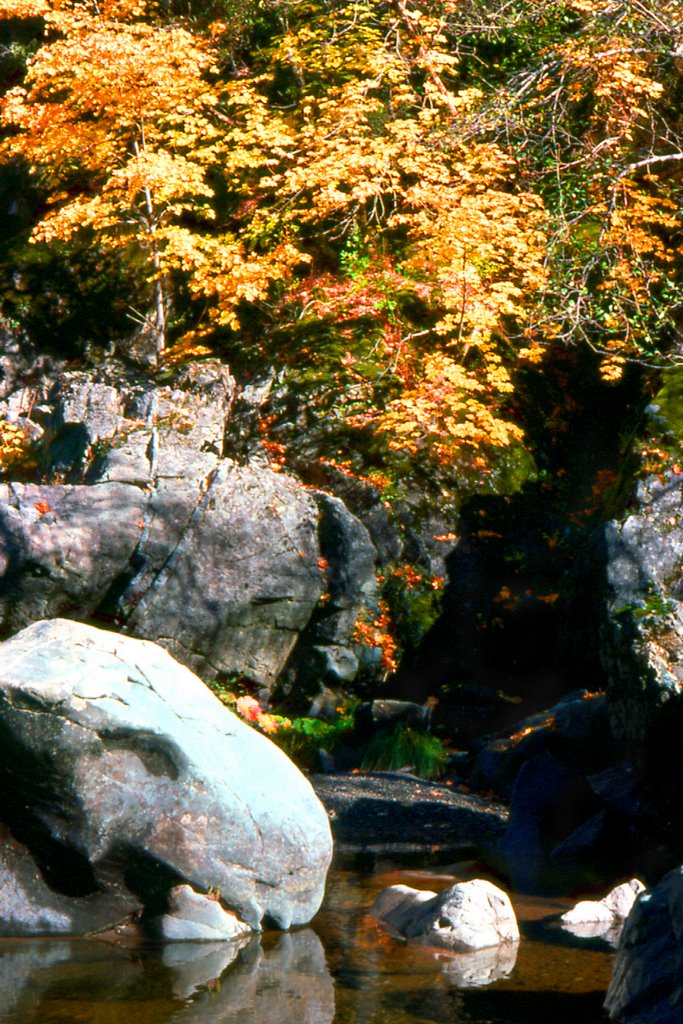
(608, 933)
(345, 970)
(482, 967)
(288, 983)
(284, 979)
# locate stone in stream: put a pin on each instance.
(468, 916)
(123, 776)
(193, 917)
(647, 979)
(603, 918)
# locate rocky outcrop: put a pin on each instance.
(642, 643)
(123, 777)
(144, 523)
(222, 572)
(466, 917)
(647, 980)
(642, 632)
(326, 654)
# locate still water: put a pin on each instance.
(343, 969)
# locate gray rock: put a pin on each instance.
(119, 760)
(193, 917)
(642, 645)
(376, 715)
(82, 401)
(62, 547)
(647, 979)
(615, 906)
(240, 583)
(604, 918)
(224, 575)
(351, 556)
(467, 916)
(328, 653)
(28, 906)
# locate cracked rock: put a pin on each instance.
(123, 777)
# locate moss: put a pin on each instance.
(668, 403)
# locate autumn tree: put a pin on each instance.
(394, 204)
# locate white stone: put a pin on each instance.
(610, 910)
(467, 916)
(194, 917)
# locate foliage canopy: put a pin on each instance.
(396, 204)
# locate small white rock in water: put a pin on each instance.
(612, 909)
(193, 917)
(468, 916)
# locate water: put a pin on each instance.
(344, 969)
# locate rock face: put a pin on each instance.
(143, 521)
(326, 654)
(468, 916)
(642, 634)
(642, 647)
(123, 776)
(647, 980)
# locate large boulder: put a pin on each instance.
(222, 572)
(466, 917)
(647, 980)
(123, 776)
(142, 520)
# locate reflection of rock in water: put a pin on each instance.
(289, 983)
(196, 964)
(21, 969)
(482, 966)
(187, 983)
(609, 933)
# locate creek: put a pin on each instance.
(343, 969)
